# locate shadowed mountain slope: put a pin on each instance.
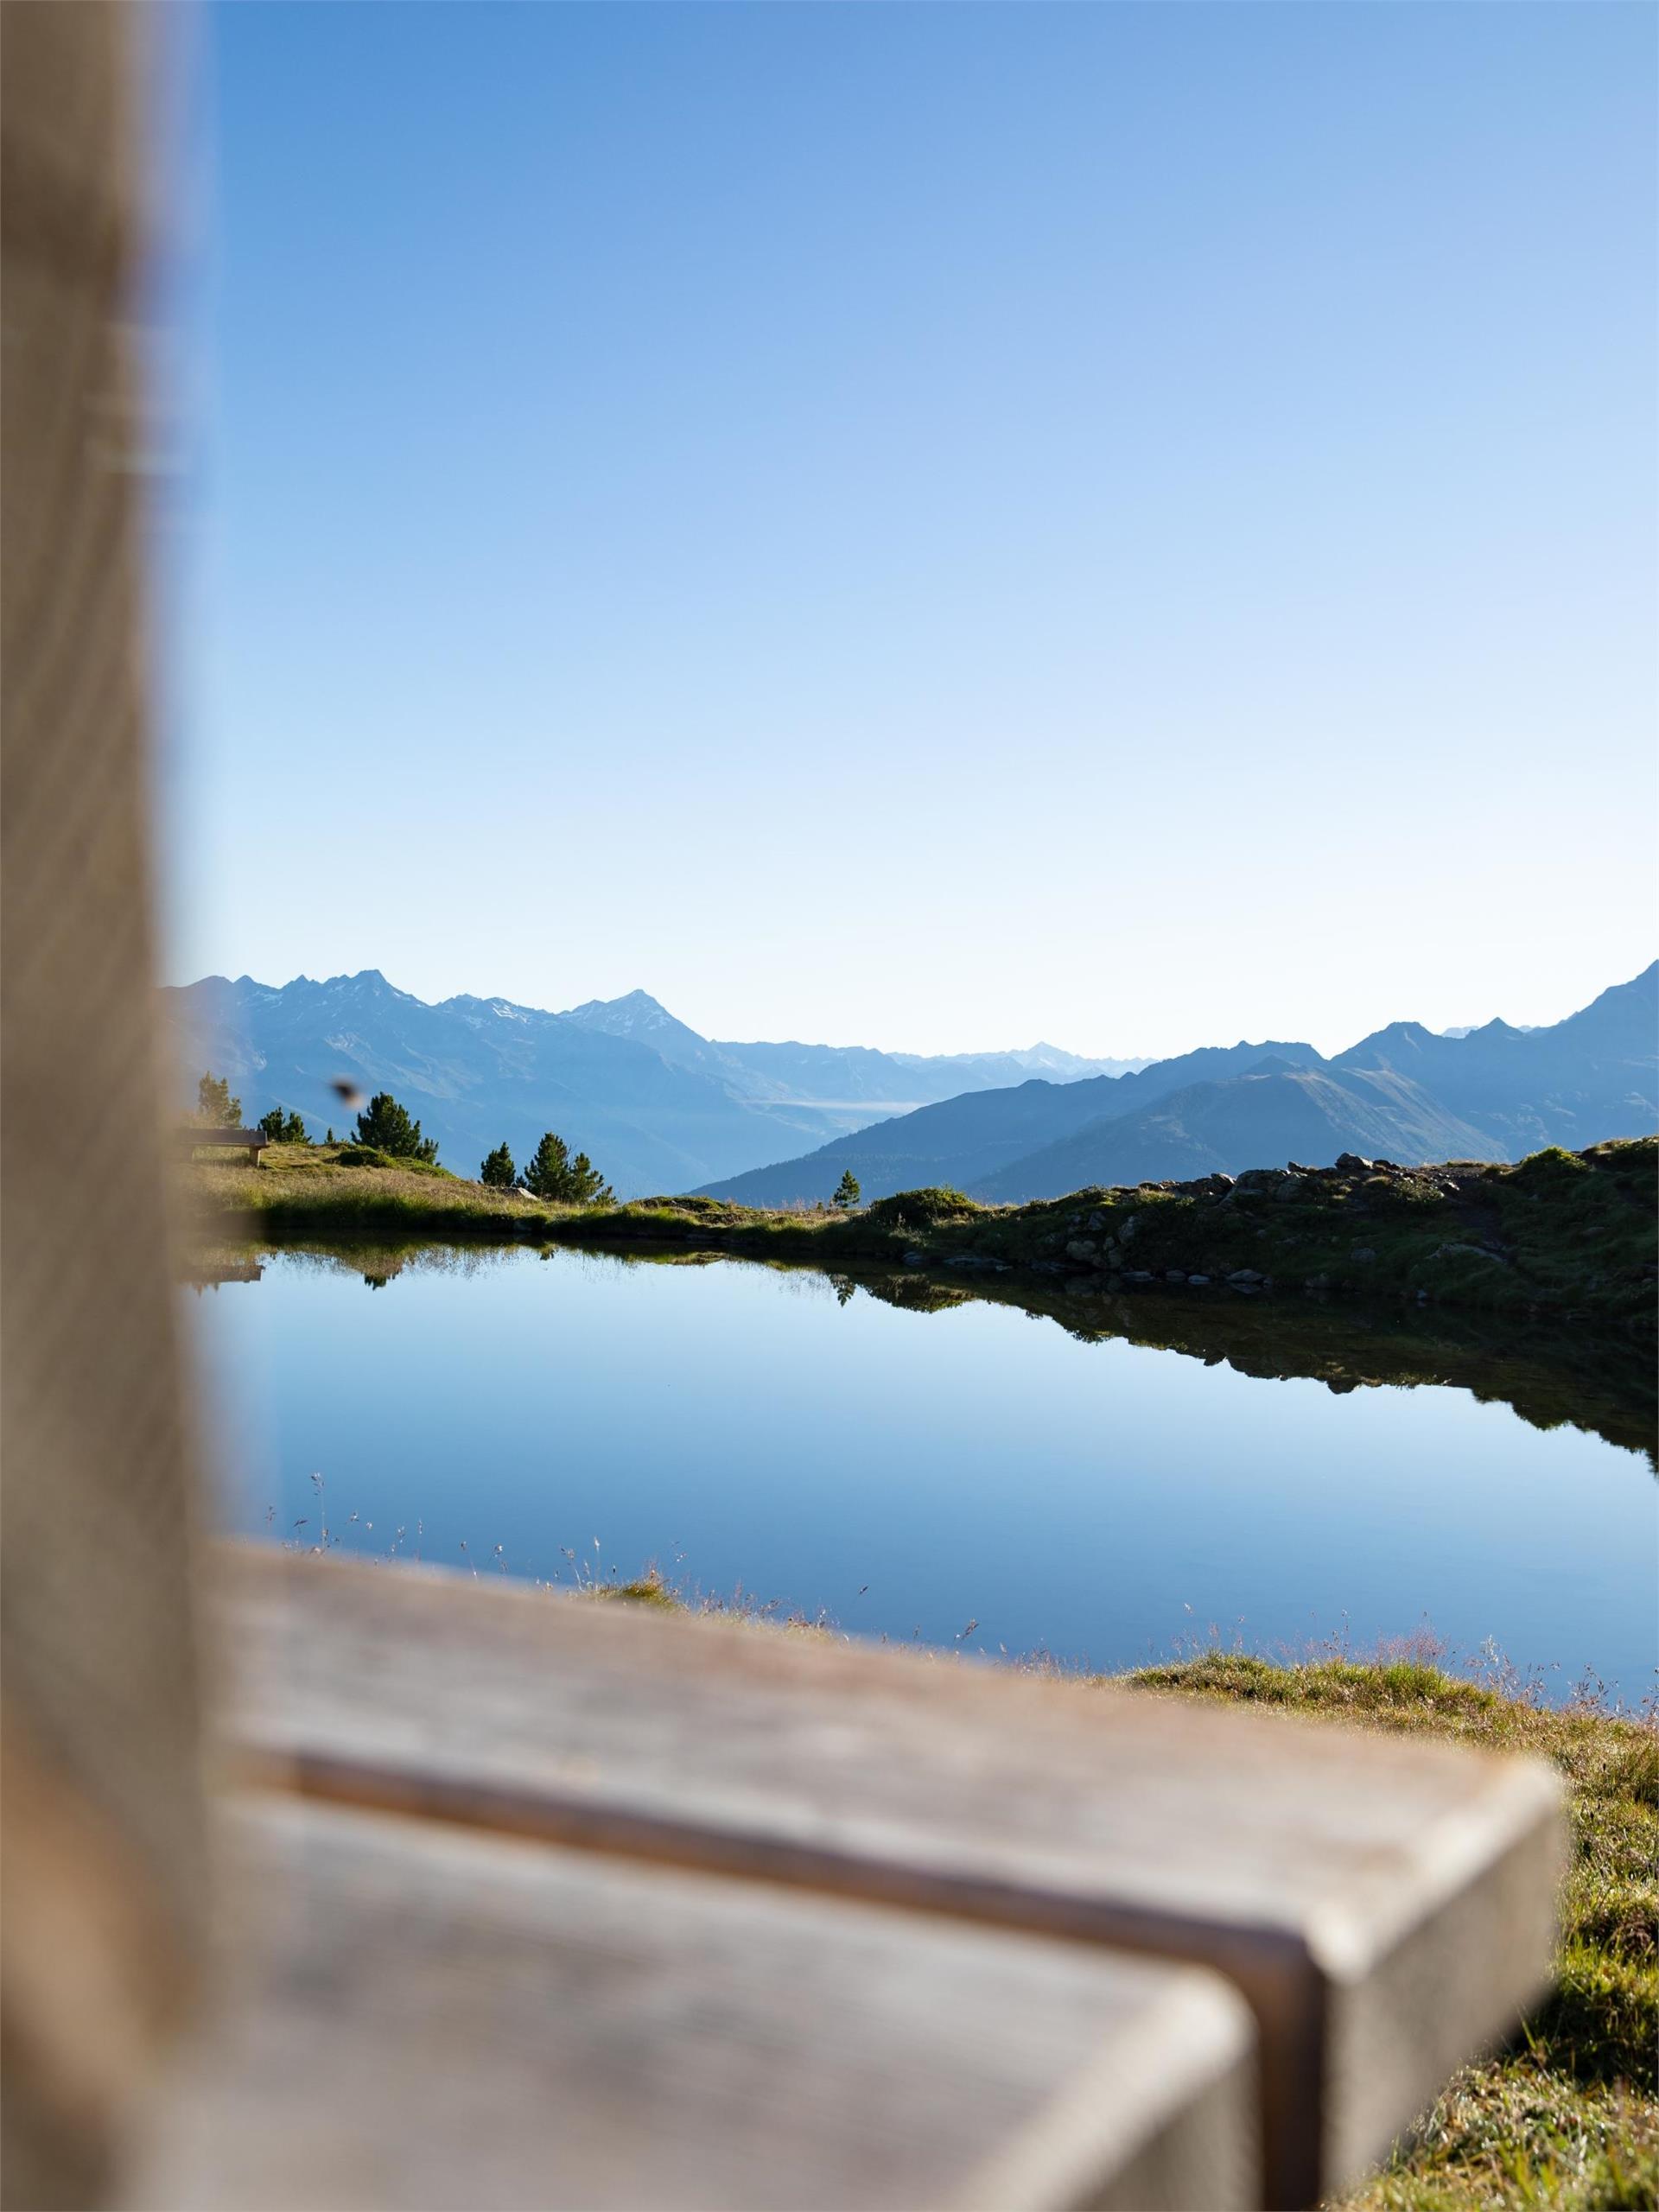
(1404, 1093)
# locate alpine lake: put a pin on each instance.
(1103, 1482)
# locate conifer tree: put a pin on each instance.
(550, 1168)
(497, 1170)
(847, 1191)
(215, 1107)
(554, 1175)
(587, 1186)
(278, 1128)
(386, 1126)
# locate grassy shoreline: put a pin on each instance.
(1569, 1235)
(1566, 2118)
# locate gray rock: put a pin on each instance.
(1173, 1275)
(1349, 1163)
(1362, 1253)
(1467, 1252)
(1259, 1179)
(1289, 1188)
(915, 1259)
(1197, 1279)
(1083, 1247)
(1244, 1274)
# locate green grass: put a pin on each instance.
(1560, 1234)
(1567, 2118)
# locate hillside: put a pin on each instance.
(1403, 1093)
(659, 1106)
(969, 1140)
(1560, 1235)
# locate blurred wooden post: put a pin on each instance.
(103, 1834)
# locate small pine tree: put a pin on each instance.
(329, 1138)
(845, 1196)
(497, 1170)
(278, 1128)
(554, 1175)
(550, 1168)
(587, 1186)
(386, 1126)
(215, 1107)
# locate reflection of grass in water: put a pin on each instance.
(1598, 1380)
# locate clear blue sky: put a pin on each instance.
(928, 526)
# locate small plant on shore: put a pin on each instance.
(384, 1126)
(846, 1193)
(215, 1107)
(497, 1169)
(554, 1175)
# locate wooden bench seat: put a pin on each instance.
(437, 2018)
(252, 1141)
(1385, 1906)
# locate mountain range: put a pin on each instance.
(1404, 1094)
(656, 1106)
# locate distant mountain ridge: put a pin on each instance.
(656, 1106)
(1494, 1093)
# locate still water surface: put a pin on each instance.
(908, 1473)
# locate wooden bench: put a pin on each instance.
(841, 1867)
(252, 1141)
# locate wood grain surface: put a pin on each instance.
(1385, 1906)
(433, 2018)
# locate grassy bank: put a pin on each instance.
(1560, 1234)
(1566, 2119)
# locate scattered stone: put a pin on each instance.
(1289, 1187)
(1082, 1249)
(1096, 1220)
(1173, 1275)
(915, 1259)
(1362, 1253)
(1349, 1163)
(1200, 1279)
(1244, 1276)
(1258, 1178)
